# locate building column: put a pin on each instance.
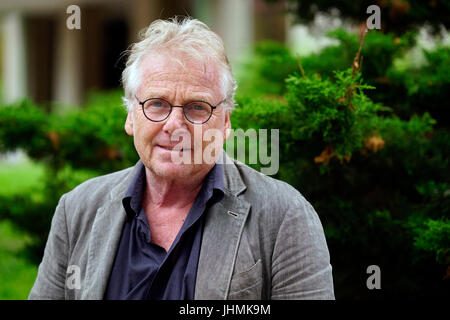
(270, 21)
(233, 22)
(140, 14)
(67, 84)
(14, 82)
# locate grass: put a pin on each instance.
(17, 275)
(18, 177)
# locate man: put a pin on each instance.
(173, 227)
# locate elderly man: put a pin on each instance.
(171, 229)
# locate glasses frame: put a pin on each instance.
(182, 106)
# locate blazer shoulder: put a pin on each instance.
(81, 204)
(90, 195)
(268, 189)
(99, 186)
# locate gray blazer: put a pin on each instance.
(262, 241)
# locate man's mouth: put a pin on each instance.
(175, 148)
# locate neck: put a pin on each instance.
(176, 193)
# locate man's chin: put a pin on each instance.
(173, 171)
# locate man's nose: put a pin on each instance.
(176, 120)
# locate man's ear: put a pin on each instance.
(227, 126)
(129, 124)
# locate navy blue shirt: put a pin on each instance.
(143, 270)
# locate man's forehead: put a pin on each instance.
(167, 65)
(162, 73)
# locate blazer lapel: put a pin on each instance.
(224, 223)
(104, 240)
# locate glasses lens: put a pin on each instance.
(197, 112)
(156, 109)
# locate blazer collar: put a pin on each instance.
(232, 178)
(104, 240)
(224, 224)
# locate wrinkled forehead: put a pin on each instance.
(176, 66)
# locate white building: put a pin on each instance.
(43, 60)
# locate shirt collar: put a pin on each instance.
(213, 189)
(132, 201)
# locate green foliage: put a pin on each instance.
(23, 126)
(330, 110)
(258, 112)
(434, 236)
(406, 91)
(425, 88)
(273, 62)
(378, 176)
(92, 137)
(74, 146)
(26, 175)
(265, 72)
(379, 51)
(17, 274)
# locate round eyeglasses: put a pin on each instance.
(196, 112)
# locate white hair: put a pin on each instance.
(188, 36)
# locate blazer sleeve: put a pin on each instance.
(301, 266)
(50, 281)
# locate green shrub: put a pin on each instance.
(425, 88)
(265, 72)
(92, 137)
(23, 126)
(74, 146)
(364, 170)
(433, 236)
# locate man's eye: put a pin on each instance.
(199, 107)
(157, 104)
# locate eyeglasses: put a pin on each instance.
(196, 112)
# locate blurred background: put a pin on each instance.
(364, 134)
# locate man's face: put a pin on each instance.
(161, 77)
